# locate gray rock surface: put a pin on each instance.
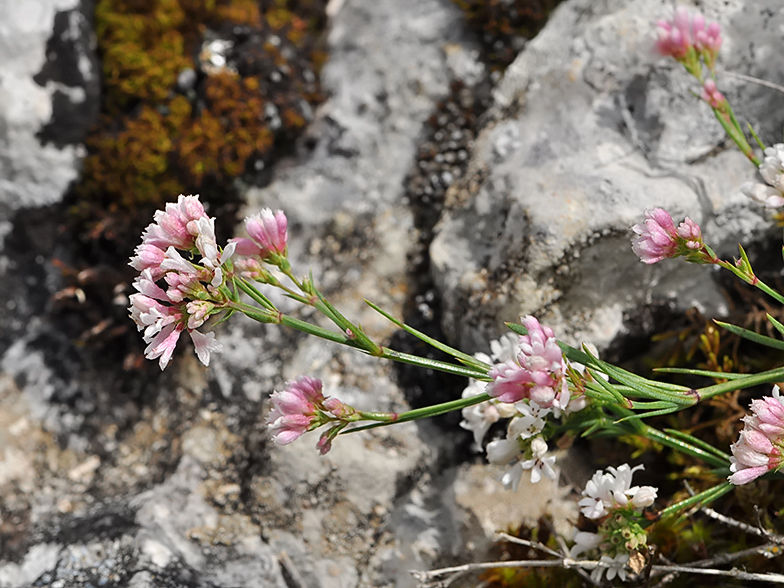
(48, 98)
(590, 128)
(111, 480)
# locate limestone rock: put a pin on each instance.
(48, 99)
(590, 128)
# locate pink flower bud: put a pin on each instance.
(656, 238)
(712, 96)
(269, 230)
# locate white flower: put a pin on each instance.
(605, 491)
(502, 451)
(772, 167)
(584, 541)
(539, 464)
(505, 348)
(479, 417)
(771, 194)
(530, 421)
(616, 567)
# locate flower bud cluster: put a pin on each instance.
(616, 506)
(189, 292)
(771, 193)
(302, 407)
(268, 241)
(658, 238)
(688, 39)
(759, 448)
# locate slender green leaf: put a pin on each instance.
(694, 372)
(434, 364)
(457, 354)
(699, 443)
(650, 414)
(777, 324)
(702, 499)
(680, 444)
(756, 137)
(752, 336)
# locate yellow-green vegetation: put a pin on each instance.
(155, 141)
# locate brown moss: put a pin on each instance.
(504, 25)
(156, 139)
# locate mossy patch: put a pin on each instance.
(199, 97)
(503, 26)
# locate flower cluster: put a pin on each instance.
(529, 385)
(658, 238)
(688, 38)
(616, 506)
(771, 193)
(537, 373)
(185, 274)
(192, 289)
(759, 448)
(302, 407)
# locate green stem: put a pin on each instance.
(421, 413)
(253, 292)
(768, 377)
(734, 132)
(753, 280)
(702, 499)
(385, 353)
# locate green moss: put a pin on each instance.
(153, 143)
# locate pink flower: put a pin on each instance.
(268, 235)
(691, 234)
(712, 96)
(148, 256)
(656, 237)
(172, 226)
(759, 448)
(537, 373)
(162, 345)
(686, 38)
(295, 409)
(204, 345)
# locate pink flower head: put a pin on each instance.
(712, 96)
(295, 409)
(269, 231)
(759, 447)
(172, 226)
(538, 371)
(672, 38)
(656, 238)
(686, 38)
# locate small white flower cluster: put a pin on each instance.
(771, 193)
(616, 506)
